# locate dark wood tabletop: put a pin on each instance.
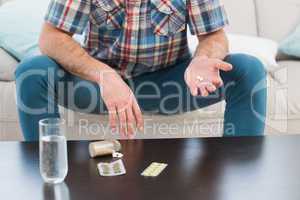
(257, 168)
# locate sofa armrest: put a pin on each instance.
(7, 66)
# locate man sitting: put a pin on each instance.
(135, 59)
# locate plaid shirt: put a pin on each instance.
(137, 36)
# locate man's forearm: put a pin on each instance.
(61, 47)
(213, 45)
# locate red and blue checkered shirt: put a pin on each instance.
(137, 36)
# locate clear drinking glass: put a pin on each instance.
(53, 150)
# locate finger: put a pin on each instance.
(130, 121)
(122, 121)
(211, 88)
(217, 82)
(112, 118)
(203, 91)
(224, 66)
(193, 89)
(138, 115)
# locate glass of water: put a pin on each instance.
(53, 150)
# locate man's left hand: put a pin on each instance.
(203, 75)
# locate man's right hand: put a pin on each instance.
(117, 96)
(121, 104)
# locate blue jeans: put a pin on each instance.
(42, 85)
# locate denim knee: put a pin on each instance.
(32, 77)
(248, 69)
(34, 65)
(247, 64)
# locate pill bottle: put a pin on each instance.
(105, 147)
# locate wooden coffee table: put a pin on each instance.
(257, 168)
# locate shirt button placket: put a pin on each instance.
(135, 6)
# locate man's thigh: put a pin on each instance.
(166, 92)
(79, 95)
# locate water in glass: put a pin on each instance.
(53, 154)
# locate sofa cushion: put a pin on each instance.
(288, 76)
(262, 48)
(9, 126)
(291, 45)
(283, 57)
(7, 66)
(242, 18)
(20, 26)
(277, 19)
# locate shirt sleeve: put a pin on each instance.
(206, 16)
(69, 15)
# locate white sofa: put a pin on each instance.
(263, 18)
